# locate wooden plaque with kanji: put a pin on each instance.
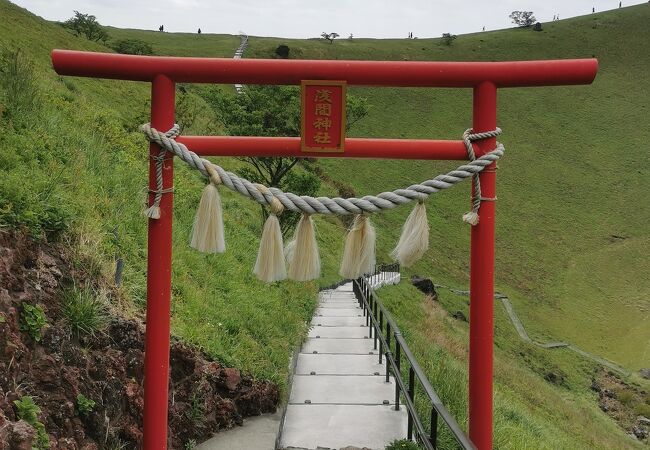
(323, 116)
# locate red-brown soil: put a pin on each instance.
(106, 368)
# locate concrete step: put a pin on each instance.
(337, 426)
(339, 365)
(339, 305)
(337, 295)
(340, 346)
(338, 301)
(339, 312)
(333, 389)
(339, 332)
(257, 433)
(342, 303)
(338, 321)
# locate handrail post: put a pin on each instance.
(369, 311)
(433, 434)
(387, 349)
(411, 394)
(399, 372)
(374, 316)
(381, 330)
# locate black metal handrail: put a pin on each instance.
(376, 315)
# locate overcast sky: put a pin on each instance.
(308, 18)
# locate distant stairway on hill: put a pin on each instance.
(238, 54)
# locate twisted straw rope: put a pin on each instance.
(325, 205)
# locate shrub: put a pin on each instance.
(84, 405)
(132, 47)
(197, 408)
(28, 411)
(32, 321)
(642, 409)
(282, 51)
(402, 444)
(625, 397)
(85, 311)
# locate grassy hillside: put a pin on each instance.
(569, 202)
(572, 235)
(576, 151)
(77, 143)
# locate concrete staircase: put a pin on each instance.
(339, 395)
(238, 55)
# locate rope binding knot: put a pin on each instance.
(274, 204)
(153, 212)
(469, 136)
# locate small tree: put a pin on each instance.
(273, 111)
(448, 38)
(86, 25)
(132, 47)
(523, 18)
(329, 36)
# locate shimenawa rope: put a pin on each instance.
(338, 206)
(302, 253)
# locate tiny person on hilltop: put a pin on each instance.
(199, 32)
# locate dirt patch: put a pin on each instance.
(107, 368)
(627, 404)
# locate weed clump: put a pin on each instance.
(84, 405)
(85, 311)
(403, 444)
(28, 411)
(32, 321)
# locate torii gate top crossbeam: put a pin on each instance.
(364, 73)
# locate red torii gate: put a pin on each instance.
(483, 77)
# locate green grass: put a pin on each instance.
(182, 44)
(572, 177)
